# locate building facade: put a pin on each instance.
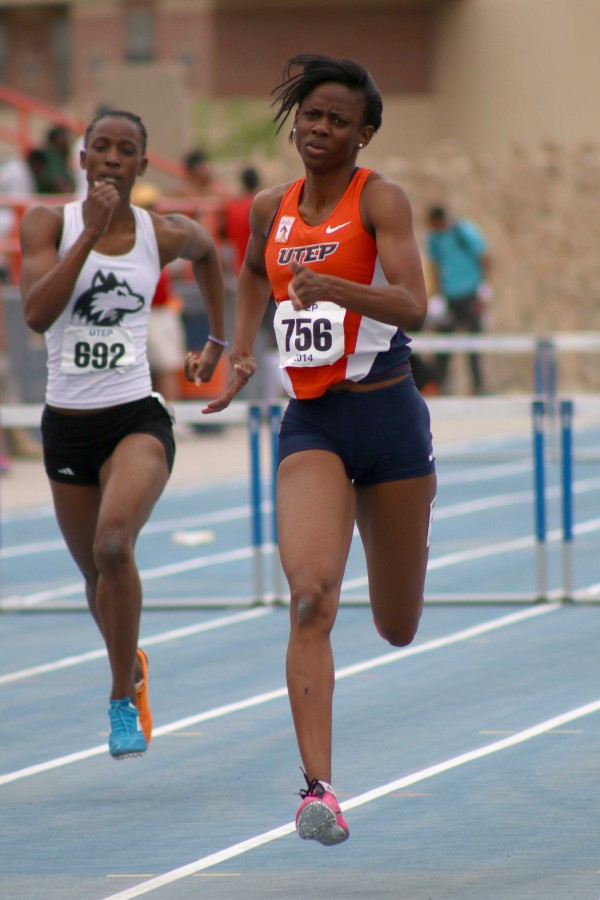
(484, 72)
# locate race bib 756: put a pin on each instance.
(309, 337)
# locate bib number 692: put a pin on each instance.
(99, 355)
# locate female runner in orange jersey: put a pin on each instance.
(355, 444)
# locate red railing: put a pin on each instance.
(204, 209)
(27, 108)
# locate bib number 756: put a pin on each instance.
(309, 337)
(309, 334)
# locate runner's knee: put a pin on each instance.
(112, 550)
(312, 608)
(398, 634)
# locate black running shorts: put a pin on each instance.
(76, 446)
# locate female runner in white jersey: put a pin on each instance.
(355, 443)
(89, 271)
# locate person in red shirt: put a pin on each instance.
(167, 343)
(236, 229)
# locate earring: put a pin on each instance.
(294, 132)
(360, 146)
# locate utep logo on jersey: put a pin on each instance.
(107, 302)
(283, 229)
(312, 253)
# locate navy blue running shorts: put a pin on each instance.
(380, 435)
(76, 446)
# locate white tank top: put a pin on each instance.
(97, 346)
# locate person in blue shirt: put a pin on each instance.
(460, 263)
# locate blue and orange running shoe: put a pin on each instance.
(319, 817)
(126, 737)
(142, 699)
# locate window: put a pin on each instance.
(140, 32)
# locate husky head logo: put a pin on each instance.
(107, 302)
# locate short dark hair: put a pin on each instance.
(106, 113)
(56, 131)
(36, 157)
(250, 178)
(195, 158)
(294, 86)
(437, 212)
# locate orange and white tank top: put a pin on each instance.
(326, 344)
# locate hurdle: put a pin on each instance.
(538, 414)
(272, 414)
(566, 431)
(577, 407)
(536, 408)
(267, 576)
(254, 423)
(275, 416)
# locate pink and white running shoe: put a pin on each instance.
(319, 817)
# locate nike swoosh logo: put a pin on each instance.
(330, 230)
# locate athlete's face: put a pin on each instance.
(329, 126)
(113, 153)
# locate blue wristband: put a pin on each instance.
(218, 341)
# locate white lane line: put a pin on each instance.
(259, 699)
(218, 517)
(17, 550)
(453, 559)
(240, 512)
(175, 634)
(497, 501)
(46, 511)
(485, 473)
(582, 486)
(227, 515)
(199, 562)
(449, 559)
(383, 790)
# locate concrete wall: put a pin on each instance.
(517, 72)
(489, 74)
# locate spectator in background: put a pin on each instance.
(59, 173)
(23, 175)
(166, 335)
(236, 229)
(200, 182)
(460, 266)
(199, 179)
(14, 442)
(424, 365)
(20, 176)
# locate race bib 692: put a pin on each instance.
(91, 348)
